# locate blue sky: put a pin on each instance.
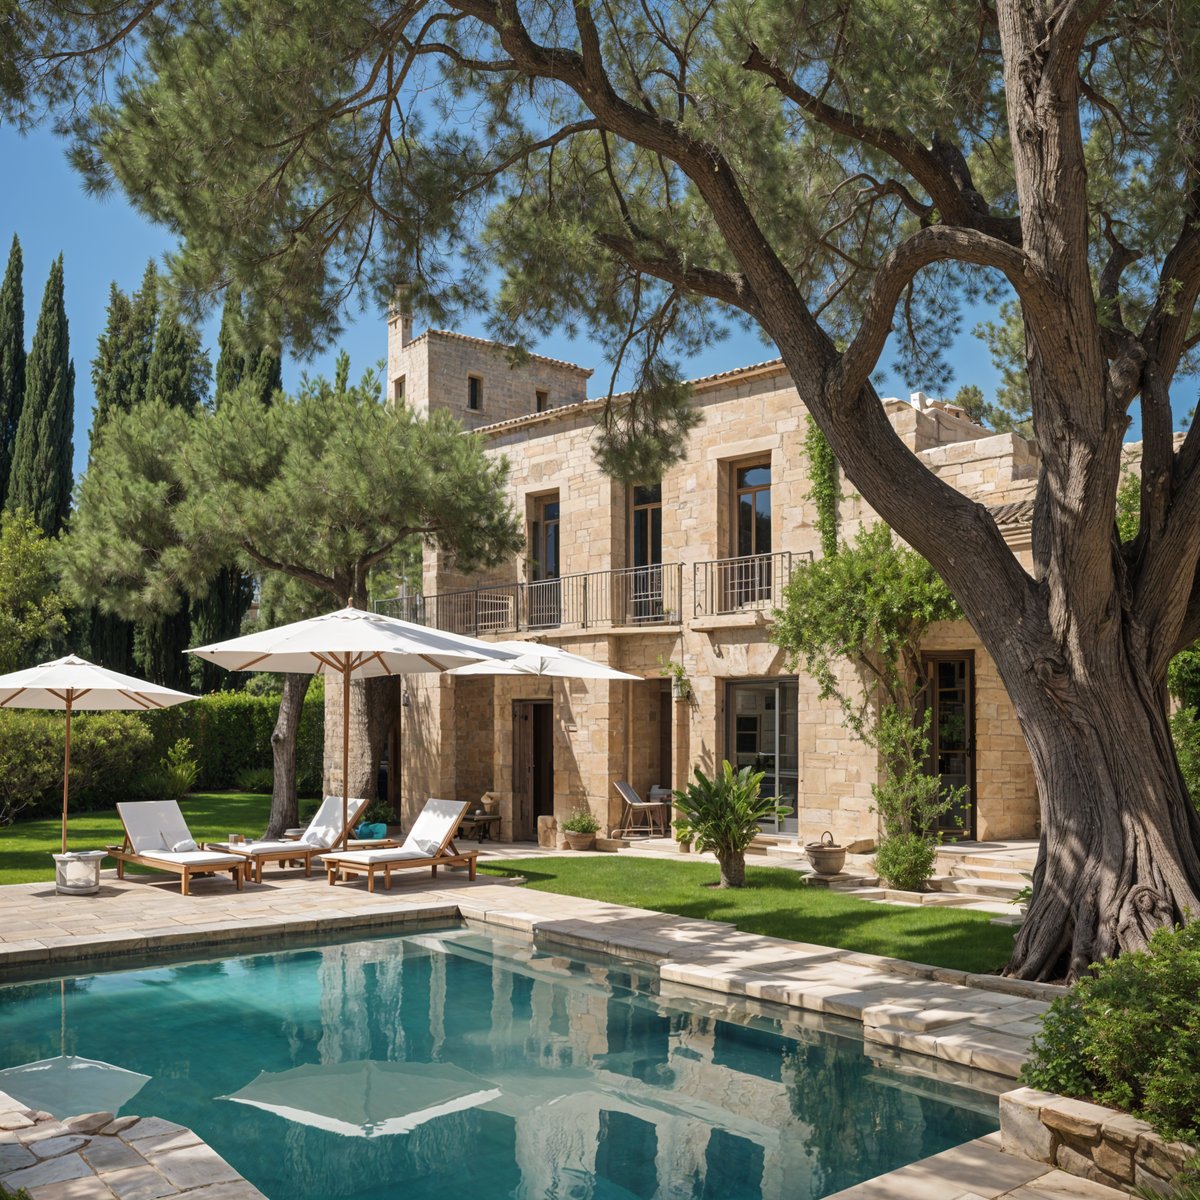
(104, 240)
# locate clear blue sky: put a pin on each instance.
(105, 240)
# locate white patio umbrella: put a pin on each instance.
(533, 658)
(352, 643)
(366, 1098)
(73, 683)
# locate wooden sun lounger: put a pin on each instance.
(437, 825)
(156, 821)
(286, 851)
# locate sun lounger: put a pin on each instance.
(157, 836)
(645, 817)
(323, 833)
(430, 843)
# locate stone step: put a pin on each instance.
(1019, 862)
(1004, 874)
(996, 889)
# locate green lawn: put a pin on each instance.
(25, 847)
(777, 903)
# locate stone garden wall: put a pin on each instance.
(1084, 1139)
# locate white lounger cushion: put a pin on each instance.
(428, 836)
(260, 847)
(191, 858)
(154, 826)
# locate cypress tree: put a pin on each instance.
(40, 480)
(12, 360)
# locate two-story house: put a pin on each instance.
(681, 570)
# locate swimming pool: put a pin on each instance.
(446, 1062)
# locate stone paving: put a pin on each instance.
(97, 1156)
(957, 1018)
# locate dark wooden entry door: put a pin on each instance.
(533, 766)
(952, 733)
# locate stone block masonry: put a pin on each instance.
(1092, 1142)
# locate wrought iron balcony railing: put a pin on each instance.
(731, 585)
(650, 595)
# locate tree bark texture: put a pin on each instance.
(374, 703)
(733, 868)
(284, 812)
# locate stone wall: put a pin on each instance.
(1095, 1143)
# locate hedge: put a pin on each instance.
(112, 754)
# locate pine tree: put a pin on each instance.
(177, 374)
(122, 362)
(242, 357)
(40, 480)
(12, 360)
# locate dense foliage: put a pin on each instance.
(723, 814)
(116, 756)
(32, 623)
(1129, 1036)
(823, 486)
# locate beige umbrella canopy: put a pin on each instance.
(533, 658)
(353, 644)
(73, 683)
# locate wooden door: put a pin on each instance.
(524, 760)
(951, 695)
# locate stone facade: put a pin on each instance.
(710, 618)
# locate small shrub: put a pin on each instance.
(1129, 1036)
(176, 775)
(905, 861)
(582, 820)
(256, 779)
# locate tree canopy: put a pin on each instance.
(831, 171)
(31, 609)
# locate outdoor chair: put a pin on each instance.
(323, 833)
(430, 843)
(157, 836)
(644, 817)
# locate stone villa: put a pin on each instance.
(682, 571)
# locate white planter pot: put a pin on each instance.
(77, 873)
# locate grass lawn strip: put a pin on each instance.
(26, 847)
(776, 903)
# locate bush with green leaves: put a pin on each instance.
(1129, 1036)
(1185, 733)
(175, 774)
(724, 814)
(255, 779)
(582, 820)
(108, 751)
(905, 861)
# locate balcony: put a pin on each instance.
(633, 596)
(725, 586)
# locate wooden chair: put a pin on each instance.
(645, 817)
(430, 843)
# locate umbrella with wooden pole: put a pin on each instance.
(72, 684)
(353, 644)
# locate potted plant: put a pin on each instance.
(681, 685)
(723, 814)
(581, 828)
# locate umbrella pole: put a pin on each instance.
(345, 751)
(66, 774)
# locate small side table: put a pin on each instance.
(480, 826)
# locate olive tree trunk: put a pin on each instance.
(284, 812)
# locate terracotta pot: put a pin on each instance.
(826, 856)
(580, 841)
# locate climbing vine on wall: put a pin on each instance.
(823, 475)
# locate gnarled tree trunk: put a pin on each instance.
(733, 868)
(284, 814)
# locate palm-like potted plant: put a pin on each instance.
(581, 828)
(723, 814)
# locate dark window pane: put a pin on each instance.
(656, 535)
(756, 476)
(648, 493)
(640, 539)
(745, 522)
(550, 510)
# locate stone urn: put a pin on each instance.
(826, 856)
(580, 841)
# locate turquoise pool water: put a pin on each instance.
(445, 1063)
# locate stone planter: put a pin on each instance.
(490, 803)
(1084, 1139)
(827, 857)
(77, 873)
(580, 841)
